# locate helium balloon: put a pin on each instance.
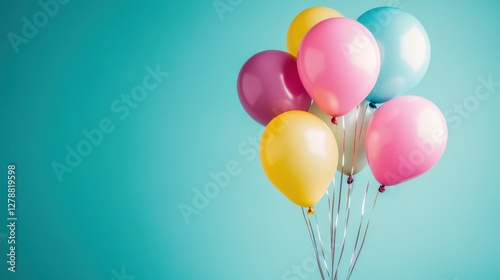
(405, 138)
(338, 64)
(352, 147)
(405, 51)
(303, 22)
(299, 156)
(269, 84)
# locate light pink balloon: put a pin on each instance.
(404, 139)
(339, 63)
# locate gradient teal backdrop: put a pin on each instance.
(117, 215)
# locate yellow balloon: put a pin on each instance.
(299, 155)
(304, 21)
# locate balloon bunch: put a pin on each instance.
(319, 102)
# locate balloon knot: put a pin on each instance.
(350, 180)
(334, 120)
(381, 189)
(372, 105)
(311, 211)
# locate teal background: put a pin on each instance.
(119, 209)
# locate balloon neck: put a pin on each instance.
(311, 211)
(372, 105)
(350, 180)
(334, 120)
(381, 189)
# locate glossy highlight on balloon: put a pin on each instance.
(299, 156)
(339, 63)
(405, 51)
(405, 138)
(269, 84)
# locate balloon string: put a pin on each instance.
(313, 240)
(340, 195)
(350, 182)
(353, 161)
(363, 123)
(329, 203)
(332, 215)
(329, 207)
(329, 215)
(360, 225)
(322, 247)
(332, 243)
(346, 223)
(364, 238)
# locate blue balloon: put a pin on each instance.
(405, 51)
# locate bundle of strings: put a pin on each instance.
(339, 208)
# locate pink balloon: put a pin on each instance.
(404, 139)
(269, 84)
(339, 63)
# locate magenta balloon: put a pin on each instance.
(269, 84)
(339, 63)
(404, 139)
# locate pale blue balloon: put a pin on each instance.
(405, 51)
